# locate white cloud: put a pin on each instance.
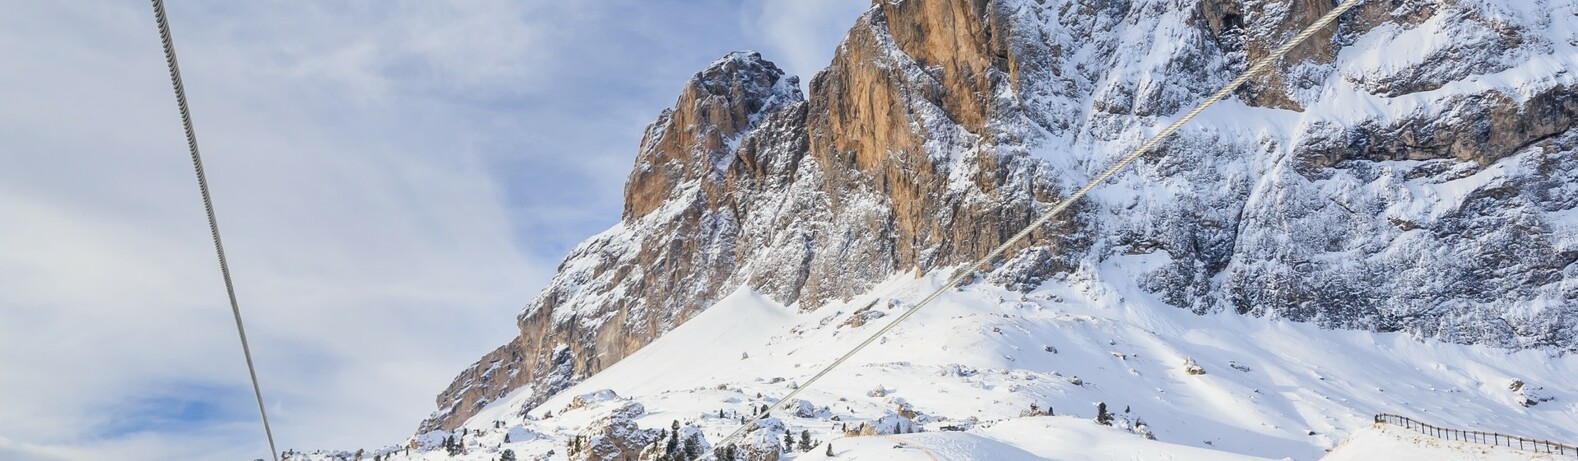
(394, 180)
(803, 32)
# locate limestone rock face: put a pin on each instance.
(479, 384)
(1412, 168)
(673, 253)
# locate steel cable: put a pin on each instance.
(208, 205)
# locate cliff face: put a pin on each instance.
(1412, 169)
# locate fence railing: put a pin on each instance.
(1488, 438)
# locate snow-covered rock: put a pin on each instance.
(613, 437)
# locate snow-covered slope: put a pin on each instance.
(1397, 444)
(981, 356)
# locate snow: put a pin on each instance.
(1394, 443)
(979, 357)
(1038, 438)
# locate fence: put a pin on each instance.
(1488, 438)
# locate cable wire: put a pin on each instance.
(208, 205)
(1258, 68)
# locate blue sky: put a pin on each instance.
(395, 179)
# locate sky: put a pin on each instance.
(394, 180)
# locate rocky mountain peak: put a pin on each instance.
(692, 140)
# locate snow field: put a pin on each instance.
(980, 356)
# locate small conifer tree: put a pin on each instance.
(693, 446)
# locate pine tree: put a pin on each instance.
(508, 455)
(506, 437)
(673, 442)
(788, 441)
(830, 449)
(805, 440)
(720, 413)
(1102, 416)
(692, 447)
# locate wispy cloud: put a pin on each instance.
(395, 179)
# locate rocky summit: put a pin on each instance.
(1411, 169)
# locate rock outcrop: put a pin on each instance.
(1410, 169)
(615, 437)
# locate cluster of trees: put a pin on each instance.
(577, 444)
(805, 443)
(863, 429)
(455, 446)
(677, 447)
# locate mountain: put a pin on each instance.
(1410, 169)
(1406, 177)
